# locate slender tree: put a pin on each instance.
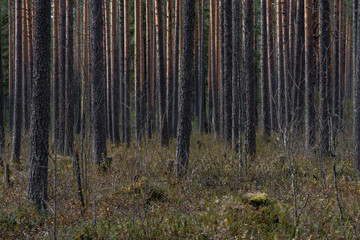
(227, 79)
(69, 79)
(169, 66)
(97, 82)
(297, 99)
(40, 112)
(202, 101)
(176, 66)
(264, 73)
(214, 69)
(250, 78)
(184, 126)
(137, 66)
(324, 146)
(16, 141)
(25, 80)
(11, 62)
(280, 67)
(356, 79)
(2, 127)
(62, 74)
(149, 67)
(271, 65)
(309, 78)
(160, 74)
(126, 88)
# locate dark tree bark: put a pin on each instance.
(121, 63)
(69, 87)
(97, 82)
(2, 127)
(309, 78)
(235, 72)
(169, 67)
(62, 75)
(264, 73)
(16, 144)
(40, 112)
(227, 49)
(176, 66)
(114, 73)
(280, 69)
(77, 72)
(250, 78)
(202, 101)
(11, 62)
(271, 66)
(137, 67)
(126, 89)
(55, 94)
(149, 67)
(184, 126)
(324, 76)
(107, 54)
(214, 70)
(25, 76)
(336, 80)
(356, 22)
(297, 99)
(160, 74)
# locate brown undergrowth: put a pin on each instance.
(139, 198)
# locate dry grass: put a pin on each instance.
(140, 199)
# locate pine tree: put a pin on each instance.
(184, 126)
(40, 112)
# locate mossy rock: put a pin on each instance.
(258, 199)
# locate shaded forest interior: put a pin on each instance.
(180, 119)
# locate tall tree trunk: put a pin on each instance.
(107, 53)
(280, 69)
(336, 80)
(271, 65)
(16, 141)
(55, 94)
(178, 20)
(227, 79)
(69, 87)
(40, 112)
(214, 70)
(202, 101)
(137, 66)
(77, 73)
(127, 61)
(169, 67)
(264, 73)
(97, 82)
(62, 75)
(121, 65)
(149, 66)
(235, 71)
(356, 22)
(2, 127)
(11, 62)
(25, 80)
(114, 73)
(297, 100)
(250, 78)
(184, 126)
(309, 78)
(324, 76)
(160, 74)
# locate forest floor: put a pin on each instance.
(140, 198)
